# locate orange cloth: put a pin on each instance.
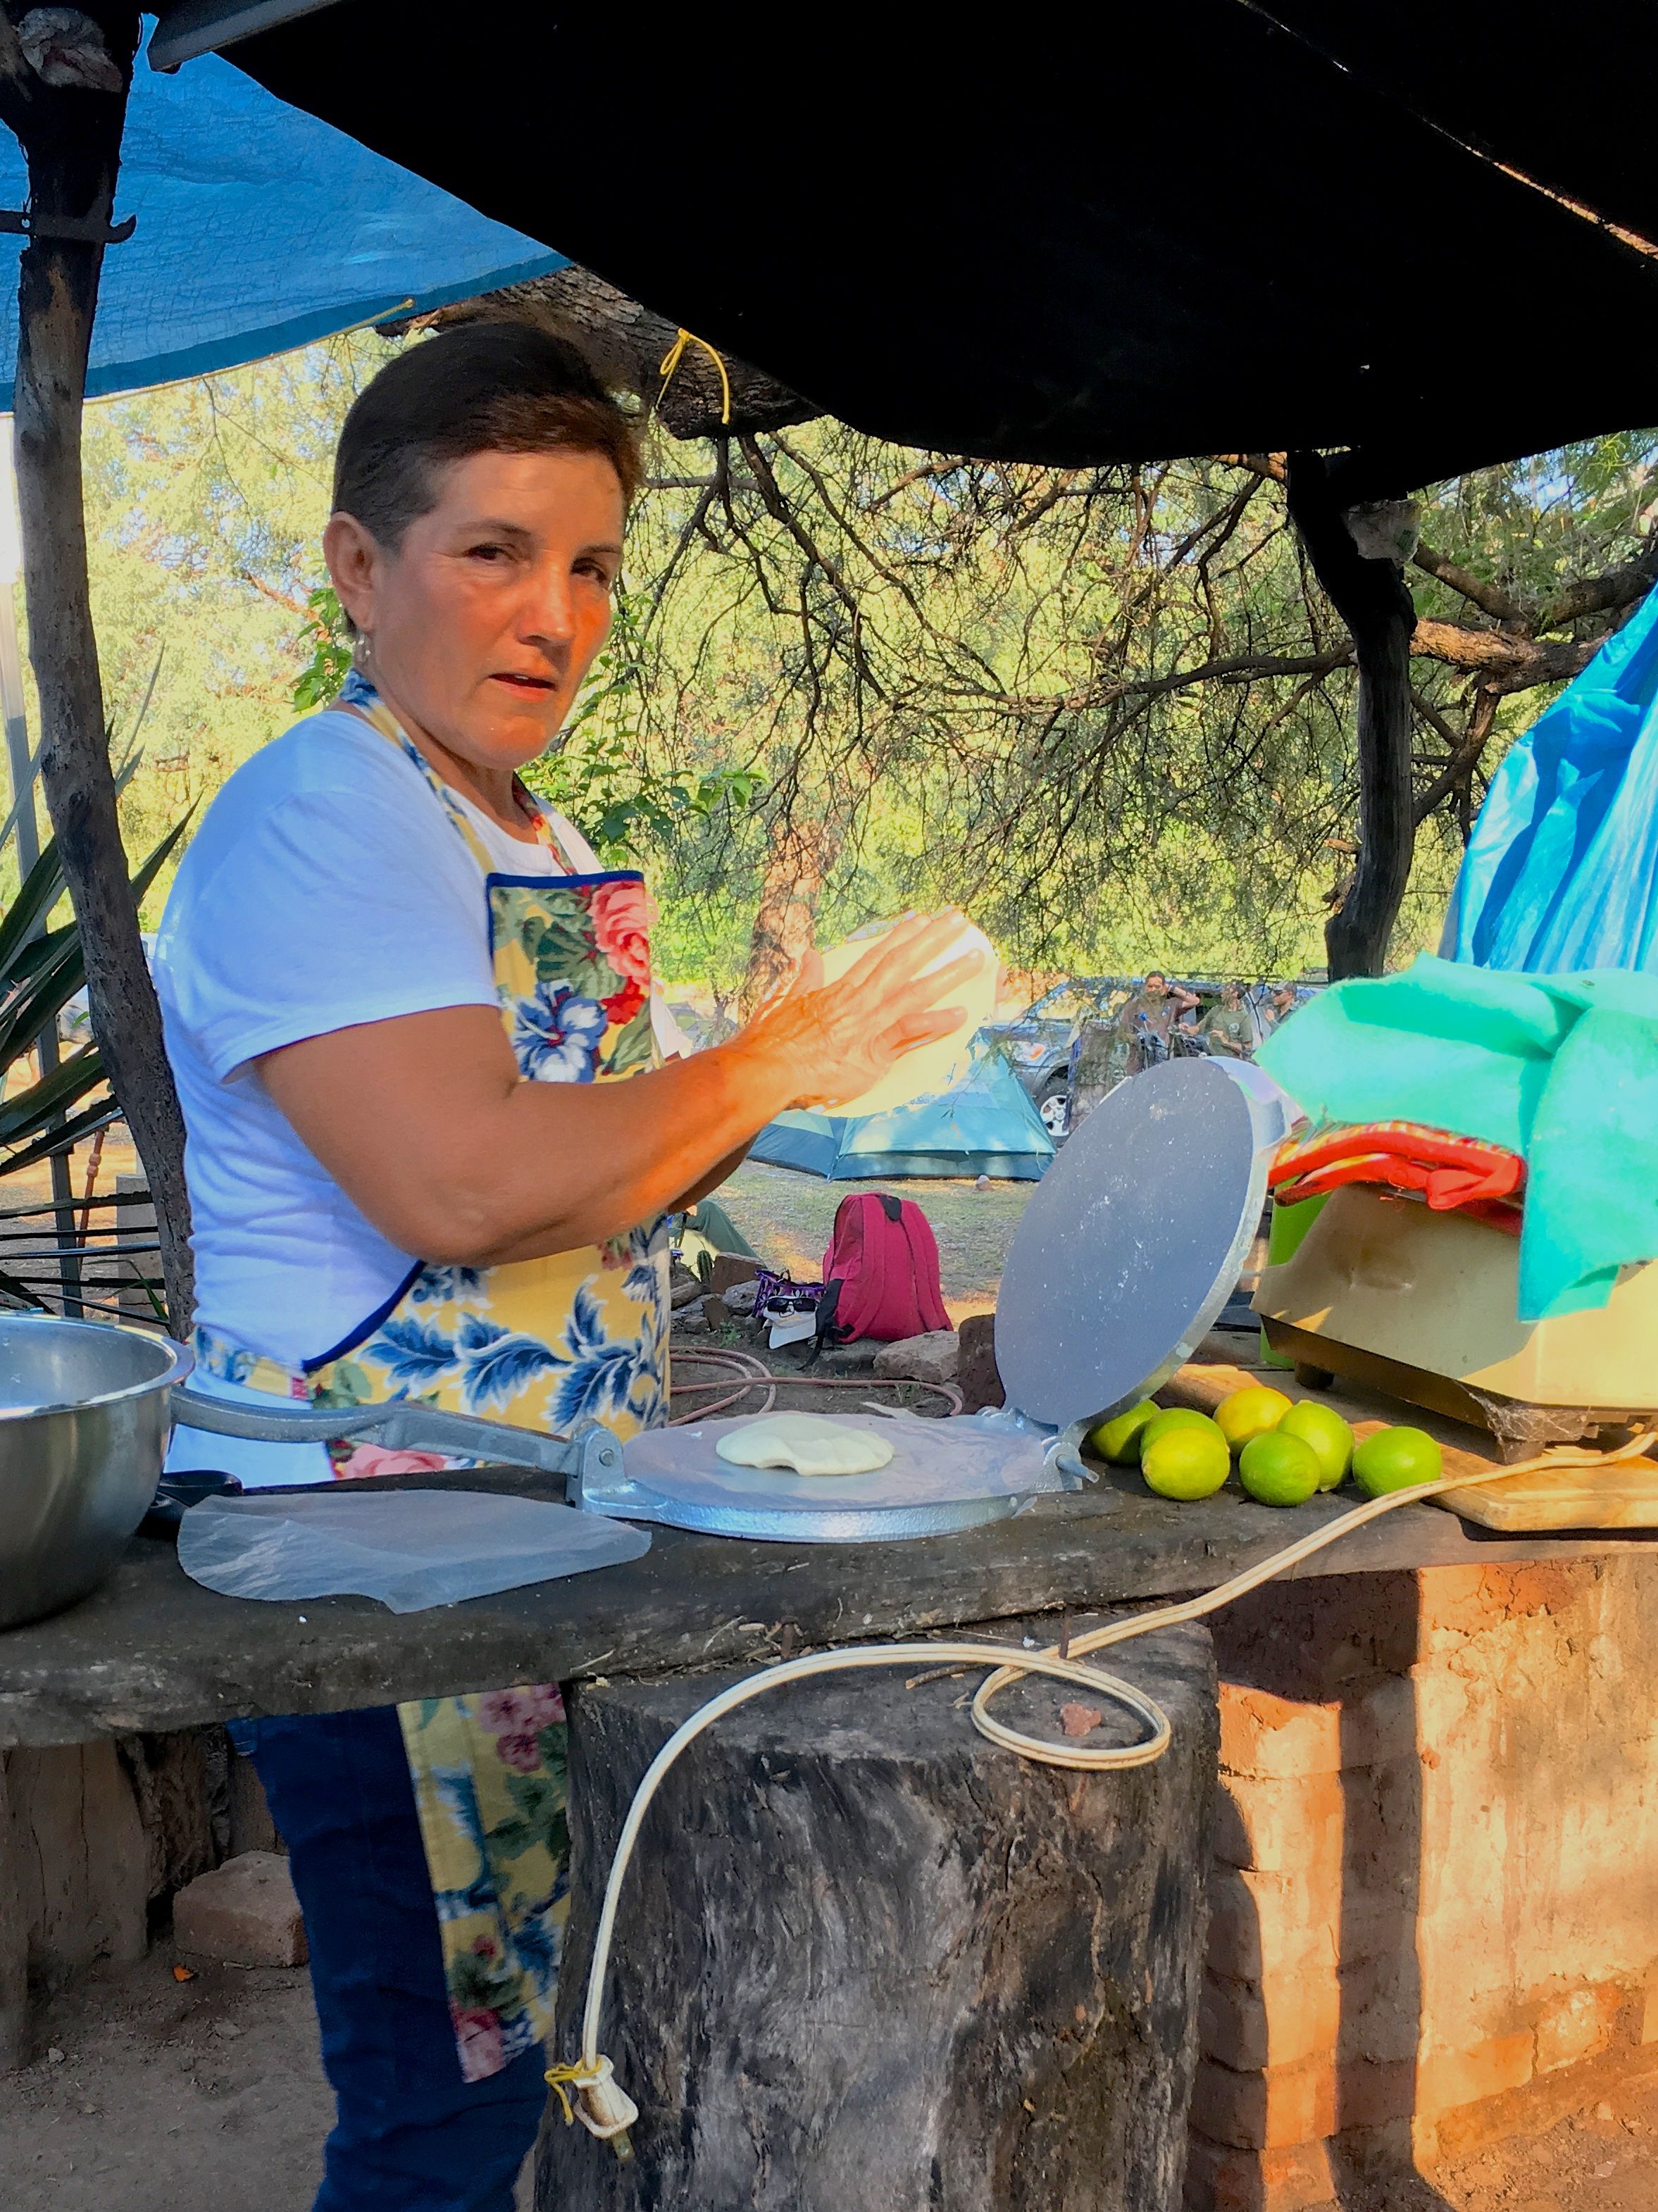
(1452, 1174)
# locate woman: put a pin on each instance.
(432, 1138)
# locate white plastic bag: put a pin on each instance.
(409, 1548)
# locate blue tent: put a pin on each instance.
(1561, 873)
(985, 1126)
(259, 228)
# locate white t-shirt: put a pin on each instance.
(326, 886)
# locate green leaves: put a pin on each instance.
(39, 976)
(622, 805)
(330, 646)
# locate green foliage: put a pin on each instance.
(41, 969)
(320, 679)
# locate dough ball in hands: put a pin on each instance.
(810, 1444)
(929, 1069)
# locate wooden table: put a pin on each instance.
(152, 1651)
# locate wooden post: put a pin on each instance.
(1371, 598)
(64, 93)
(866, 1959)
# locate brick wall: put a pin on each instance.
(1435, 1903)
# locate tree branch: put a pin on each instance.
(1596, 595)
(1490, 598)
(1512, 663)
(1464, 760)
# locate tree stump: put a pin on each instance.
(865, 1959)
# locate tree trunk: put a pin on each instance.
(1371, 598)
(785, 927)
(865, 1959)
(67, 107)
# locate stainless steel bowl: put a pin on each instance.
(84, 1420)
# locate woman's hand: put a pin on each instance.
(836, 1040)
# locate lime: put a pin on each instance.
(1188, 1460)
(1251, 1412)
(1278, 1470)
(1119, 1439)
(1176, 1417)
(1396, 1459)
(1325, 1434)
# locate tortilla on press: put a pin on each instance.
(810, 1444)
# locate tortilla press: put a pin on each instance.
(1126, 1252)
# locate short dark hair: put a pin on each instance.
(486, 387)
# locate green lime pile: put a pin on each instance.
(1286, 1451)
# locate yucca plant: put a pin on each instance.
(40, 971)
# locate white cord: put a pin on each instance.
(1008, 1665)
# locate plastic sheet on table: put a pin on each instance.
(410, 1548)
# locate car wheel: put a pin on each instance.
(1055, 1107)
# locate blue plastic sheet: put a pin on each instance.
(259, 228)
(1561, 874)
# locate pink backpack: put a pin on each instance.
(880, 1272)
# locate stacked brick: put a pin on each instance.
(1435, 1901)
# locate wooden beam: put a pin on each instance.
(1371, 598)
(64, 95)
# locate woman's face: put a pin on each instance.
(484, 620)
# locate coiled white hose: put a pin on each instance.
(606, 2111)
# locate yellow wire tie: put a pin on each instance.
(577, 2075)
(676, 354)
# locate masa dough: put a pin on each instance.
(808, 1443)
(940, 1066)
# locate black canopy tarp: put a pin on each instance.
(1072, 235)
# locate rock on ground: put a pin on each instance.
(243, 1912)
(928, 1358)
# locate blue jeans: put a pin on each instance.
(411, 2135)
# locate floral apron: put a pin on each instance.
(540, 1344)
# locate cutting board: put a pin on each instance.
(1625, 1496)
(1621, 1497)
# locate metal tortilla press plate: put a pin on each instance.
(1134, 1239)
(943, 1476)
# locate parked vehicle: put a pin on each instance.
(1037, 1043)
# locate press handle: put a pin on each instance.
(399, 1427)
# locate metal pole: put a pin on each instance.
(14, 706)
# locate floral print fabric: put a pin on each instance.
(542, 1344)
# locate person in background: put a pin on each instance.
(1281, 1002)
(1148, 1017)
(1230, 1031)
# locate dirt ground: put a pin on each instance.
(147, 2094)
(208, 2093)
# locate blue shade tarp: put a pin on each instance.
(985, 1126)
(1561, 873)
(1561, 1069)
(259, 228)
